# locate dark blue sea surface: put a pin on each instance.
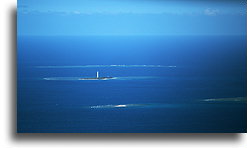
(161, 84)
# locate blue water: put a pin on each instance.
(160, 84)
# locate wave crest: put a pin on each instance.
(149, 105)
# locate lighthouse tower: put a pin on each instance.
(97, 74)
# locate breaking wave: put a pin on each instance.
(111, 106)
(96, 66)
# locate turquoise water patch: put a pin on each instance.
(114, 78)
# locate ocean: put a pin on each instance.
(161, 84)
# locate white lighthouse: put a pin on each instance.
(97, 74)
(97, 77)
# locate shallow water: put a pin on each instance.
(161, 86)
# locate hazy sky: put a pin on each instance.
(132, 17)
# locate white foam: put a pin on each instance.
(120, 105)
(150, 105)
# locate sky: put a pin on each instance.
(131, 17)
